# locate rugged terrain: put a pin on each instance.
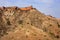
(27, 24)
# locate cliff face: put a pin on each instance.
(30, 24)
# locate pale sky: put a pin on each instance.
(51, 7)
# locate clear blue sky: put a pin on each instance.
(51, 7)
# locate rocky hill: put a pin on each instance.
(27, 24)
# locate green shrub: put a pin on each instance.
(50, 25)
(52, 34)
(8, 22)
(58, 26)
(57, 36)
(20, 21)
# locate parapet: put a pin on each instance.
(14, 8)
(27, 8)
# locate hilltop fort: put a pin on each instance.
(27, 23)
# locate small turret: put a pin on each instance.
(2, 8)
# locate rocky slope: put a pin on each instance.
(27, 24)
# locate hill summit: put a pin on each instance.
(27, 24)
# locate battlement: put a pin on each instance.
(14, 7)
